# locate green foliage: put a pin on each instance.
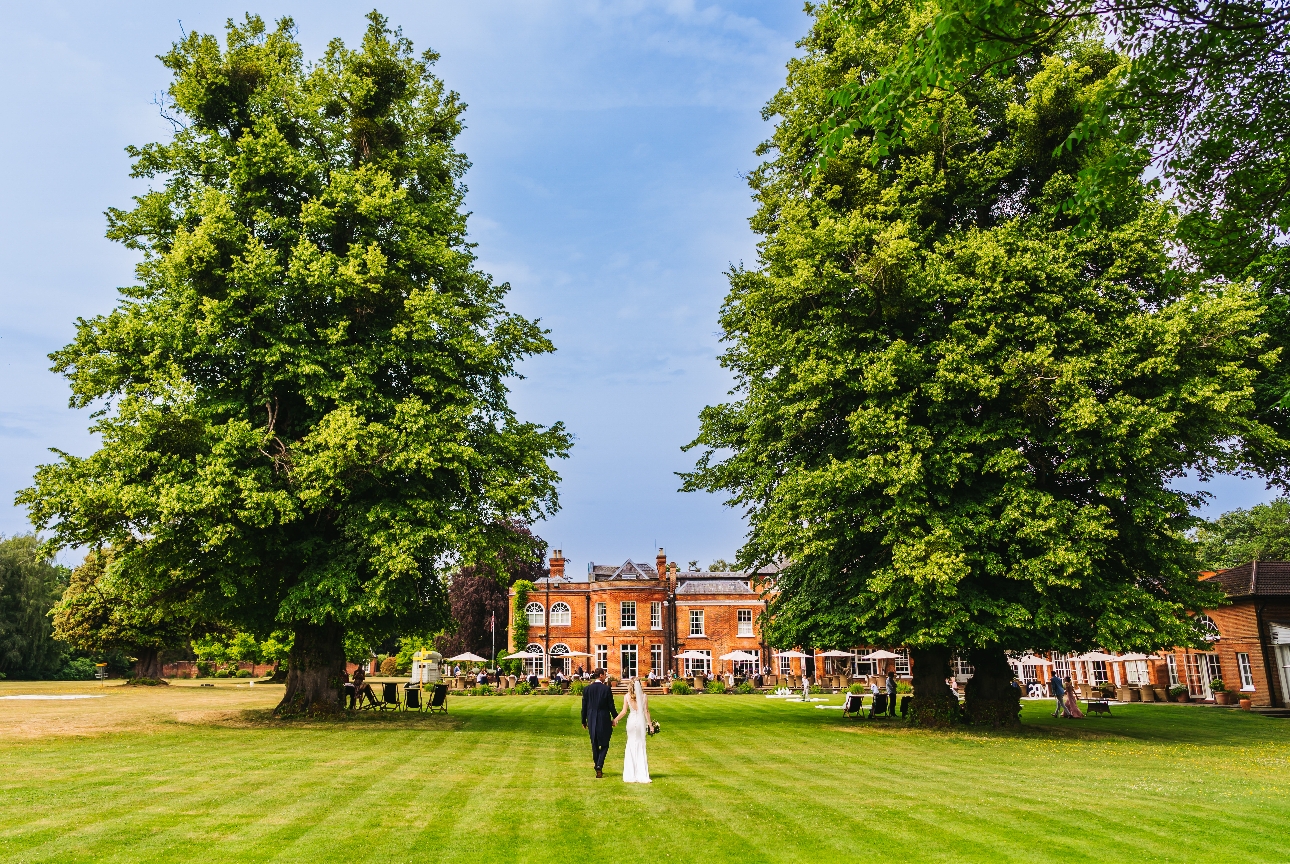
(716, 685)
(680, 687)
(1261, 533)
(958, 417)
(519, 619)
(554, 689)
(77, 669)
(721, 565)
(303, 398)
(389, 666)
(904, 687)
(1176, 690)
(856, 688)
(816, 689)
(745, 687)
(576, 688)
(523, 688)
(1217, 685)
(30, 584)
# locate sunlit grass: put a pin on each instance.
(182, 774)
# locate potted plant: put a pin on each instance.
(1178, 693)
(1219, 689)
(1245, 703)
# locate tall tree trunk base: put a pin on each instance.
(934, 705)
(990, 699)
(316, 662)
(278, 676)
(148, 664)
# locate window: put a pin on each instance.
(602, 618)
(559, 662)
(1062, 665)
(1135, 672)
(1172, 662)
(560, 615)
(536, 613)
(745, 622)
(861, 668)
(1213, 669)
(748, 668)
(902, 662)
(536, 665)
(1099, 671)
(627, 615)
(628, 657)
(1208, 626)
(963, 670)
(656, 658)
(696, 622)
(655, 615)
(1247, 674)
(696, 667)
(602, 656)
(785, 665)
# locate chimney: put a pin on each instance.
(557, 564)
(660, 563)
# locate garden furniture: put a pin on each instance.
(854, 705)
(438, 699)
(879, 705)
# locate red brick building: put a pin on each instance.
(632, 618)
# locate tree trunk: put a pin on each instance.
(315, 664)
(278, 675)
(934, 704)
(148, 664)
(990, 699)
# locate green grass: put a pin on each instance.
(739, 779)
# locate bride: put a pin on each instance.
(636, 709)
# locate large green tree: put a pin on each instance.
(956, 416)
(1261, 533)
(302, 402)
(30, 584)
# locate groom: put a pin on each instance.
(598, 717)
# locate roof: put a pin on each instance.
(1256, 579)
(713, 586)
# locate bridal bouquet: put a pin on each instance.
(654, 728)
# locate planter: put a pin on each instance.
(1162, 694)
(1222, 698)
(1245, 704)
(1182, 697)
(1147, 694)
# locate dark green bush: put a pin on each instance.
(716, 685)
(681, 687)
(746, 688)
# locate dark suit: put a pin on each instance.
(598, 716)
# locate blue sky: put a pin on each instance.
(607, 142)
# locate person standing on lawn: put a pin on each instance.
(598, 718)
(1056, 690)
(891, 693)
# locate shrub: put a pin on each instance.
(1177, 689)
(80, 669)
(816, 688)
(681, 688)
(746, 688)
(577, 687)
(554, 689)
(859, 688)
(716, 685)
(903, 687)
(223, 673)
(242, 673)
(390, 666)
(148, 682)
(524, 689)
(1217, 685)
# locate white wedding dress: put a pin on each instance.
(635, 760)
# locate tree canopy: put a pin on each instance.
(30, 583)
(958, 414)
(1261, 533)
(302, 401)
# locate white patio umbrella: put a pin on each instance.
(520, 655)
(468, 658)
(738, 655)
(692, 655)
(1095, 655)
(882, 654)
(1033, 660)
(1132, 657)
(571, 653)
(834, 653)
(790, 653)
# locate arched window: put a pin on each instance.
(560, 615)
(1208, 626)
(559, 647)
(537, 665)
(536, 613)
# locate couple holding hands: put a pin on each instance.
(599, 717)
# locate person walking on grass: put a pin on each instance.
(1056, 691)
(598, 718)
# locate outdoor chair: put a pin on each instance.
(412, 699)
(439, 699)
(904, 706)
(854, 705)
(387, 701)
(879, 706)
(1097, 706)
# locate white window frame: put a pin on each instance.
(602, 616)
(627, 613)
(632, 669)
(785, 665)
(745, 620)
(602, 656)
(1061, 665)
(694, 667)
(655, 615)
(536, 613)
(862, 668)
(536, 665)
(1136, 673)
(561, 615)
(902, 663)
(656, 658)
(1246, 671)
(1210, 626)
(696, 617)
(1171, 662)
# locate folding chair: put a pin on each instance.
(412, 699)
(387, 701)
(439, 699)
(879, 706)
(853, 705)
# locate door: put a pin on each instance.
(1283, 665)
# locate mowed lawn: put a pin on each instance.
(204, 774)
